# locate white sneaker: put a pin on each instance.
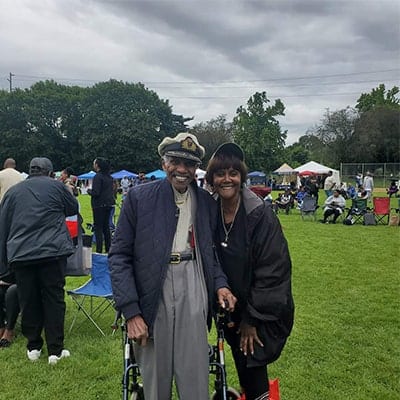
(55, 359)
(34, 355)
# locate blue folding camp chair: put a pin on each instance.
(95, 296)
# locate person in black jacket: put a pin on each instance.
(35, 244)
(102, 201)
(165, 274)
(255, 257)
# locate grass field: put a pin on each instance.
(345, 343)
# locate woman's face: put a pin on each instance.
(227, 183)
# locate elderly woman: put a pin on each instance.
(255, 257)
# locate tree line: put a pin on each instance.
(125, 122)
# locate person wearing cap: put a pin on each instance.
(165, 275)
(369, 184)
(34, 245)
(9, 176)
(254, 255)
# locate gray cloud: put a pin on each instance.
(209, 57)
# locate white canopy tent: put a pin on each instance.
(319, 169)
(288, 173)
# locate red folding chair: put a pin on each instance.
(382, 210)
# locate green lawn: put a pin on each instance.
(345, 343)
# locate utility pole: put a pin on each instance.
(10, 80)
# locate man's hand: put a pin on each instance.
(137, 330)
(248, 335)
(226, 299)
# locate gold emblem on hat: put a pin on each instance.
(189, 144)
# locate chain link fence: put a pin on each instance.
(383, 173)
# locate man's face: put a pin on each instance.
(180, 172)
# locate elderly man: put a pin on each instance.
(165, 274)
(35, 244)
(9, 176)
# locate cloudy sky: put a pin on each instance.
(209, 57)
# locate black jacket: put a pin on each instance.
(142, 244)
(32, 221)
(102, 192)
(267, 286)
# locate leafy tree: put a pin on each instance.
(378, 98)
(258, 132)
(376, 137)
(335, 133)
(14, 141)
(296, 155)
(378, 126)
(125, 122)
(212, 133)
(72, 125)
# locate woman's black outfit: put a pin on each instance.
(102, 202)
(257, 263)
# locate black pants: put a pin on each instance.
(101, 219)
(335, 212)
(9, 306)
(253, 380)
(41, 296)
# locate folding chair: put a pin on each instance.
(308, 207)
(95, 296)
(357, 210)
(382, 210)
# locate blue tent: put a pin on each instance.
(257, 178)
(158, 174)
(256, 173)
(87, 175)
(122, 173)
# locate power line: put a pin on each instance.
(34, 77)
(284, 96)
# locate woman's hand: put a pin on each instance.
(248, 336)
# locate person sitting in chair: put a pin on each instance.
(284, 201)
(334, 205)
(392, 189)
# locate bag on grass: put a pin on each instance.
(369, 219)
(394, 220)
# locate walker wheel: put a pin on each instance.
(137, 394)
(231, 394)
